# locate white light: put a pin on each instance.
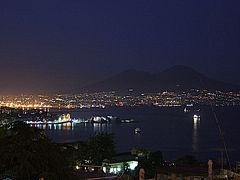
(119, 169)
(111, 170)
(133, 164)
(196, 118)
(104, 169)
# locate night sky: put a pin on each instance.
(50, 45)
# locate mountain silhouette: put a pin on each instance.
(176, 78)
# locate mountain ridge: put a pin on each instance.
(176, 78)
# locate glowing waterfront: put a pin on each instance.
(65, 118)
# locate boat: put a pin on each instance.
(127, 120)
(99, 120)
(64, 118)
(137, 130)
(196, 117)
(191, 108)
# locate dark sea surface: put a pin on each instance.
(169, 130)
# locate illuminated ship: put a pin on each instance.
(65, 118)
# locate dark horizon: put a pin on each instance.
(60, 46)
(174, 70)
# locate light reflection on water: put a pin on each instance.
(96, 127)
(64, 126)
(171, 131)
(196, 125)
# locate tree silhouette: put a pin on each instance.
(97, 148)
(27, 153)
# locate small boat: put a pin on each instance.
(196, 118)
(191, 108)
(127, 121)
(137, 130)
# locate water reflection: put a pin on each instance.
(64, 126)
(96, 127)
(101, 128)
(196, 125)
